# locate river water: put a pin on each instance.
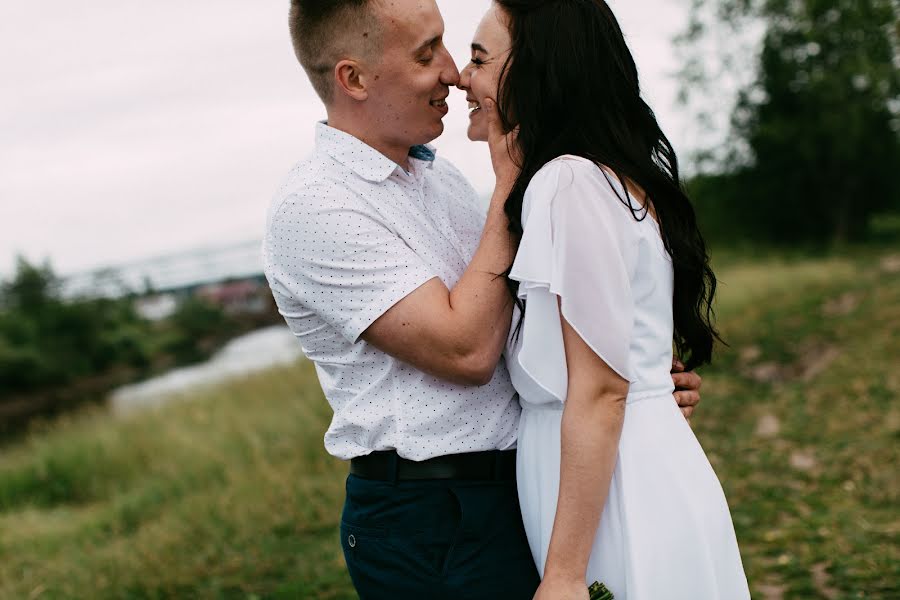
(255, 351)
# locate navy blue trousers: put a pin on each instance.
(436, 540)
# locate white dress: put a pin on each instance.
(666, 532)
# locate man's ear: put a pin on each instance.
(350, 79)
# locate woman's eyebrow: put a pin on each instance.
(476, 47)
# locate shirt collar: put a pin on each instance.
(362, 159)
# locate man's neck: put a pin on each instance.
(398, 154)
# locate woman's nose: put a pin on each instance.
(464, 79)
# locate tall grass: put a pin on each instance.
(228, 493)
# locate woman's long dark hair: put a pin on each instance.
(571, 86)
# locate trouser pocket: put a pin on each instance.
(396, 539)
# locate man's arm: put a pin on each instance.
(459, 334)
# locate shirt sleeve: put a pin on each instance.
(574, 256)
(337, 257)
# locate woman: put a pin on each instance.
(611, 269)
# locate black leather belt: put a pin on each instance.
(494, 465)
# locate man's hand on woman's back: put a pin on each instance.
(687, 388)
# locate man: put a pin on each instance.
(384, 268)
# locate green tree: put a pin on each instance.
(820, 126)
(31, 290)
(48, 341)
(197, 327)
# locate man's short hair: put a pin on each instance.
(324, 32)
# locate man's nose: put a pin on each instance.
(450, 74)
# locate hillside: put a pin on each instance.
(231, 495)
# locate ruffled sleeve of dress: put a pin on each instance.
(576, 255)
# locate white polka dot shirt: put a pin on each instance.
(349, 234)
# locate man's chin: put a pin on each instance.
(439, 130)
(433, 133)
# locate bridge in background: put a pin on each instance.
(183, 271)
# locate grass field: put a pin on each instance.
(231, 495)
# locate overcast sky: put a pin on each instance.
(131, 129)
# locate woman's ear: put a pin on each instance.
(350, 80)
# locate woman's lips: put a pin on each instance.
(474, 107)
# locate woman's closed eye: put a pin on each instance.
(477, 61)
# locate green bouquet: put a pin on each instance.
(598, 591)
